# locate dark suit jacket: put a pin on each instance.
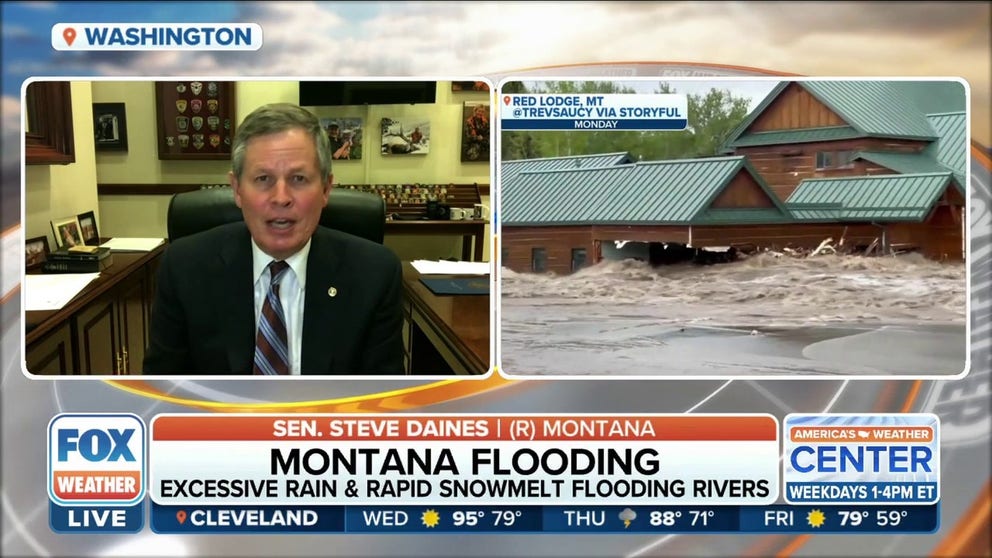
(203, 317)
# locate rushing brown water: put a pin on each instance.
(764, 315)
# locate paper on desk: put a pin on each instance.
(132, 244)
(427, 267)
(53, 291)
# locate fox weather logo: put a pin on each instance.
(96, 459)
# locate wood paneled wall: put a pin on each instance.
(783, 167)
(743, 191)
(940, 238)
(795, 108)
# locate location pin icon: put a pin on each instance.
(506, 100)
(181, 516)
(69, 35)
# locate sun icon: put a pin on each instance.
(816, 518)
(430, 518)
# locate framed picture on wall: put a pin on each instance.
(475, 132)
(35, 251)
(67, 232)
(110, 126)
(469, 86)
(87, 224)
(195, 119)
(406, 136)
(345, 135)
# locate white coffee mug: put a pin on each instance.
(457, 214)
(480, 211)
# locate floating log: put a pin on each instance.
(823, 248)
(871, 247)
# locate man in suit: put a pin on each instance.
(330, 304)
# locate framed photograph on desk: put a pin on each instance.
(35, 251)
(87, 224)
(67, 232)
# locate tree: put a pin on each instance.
(712, 118)
(517, 145)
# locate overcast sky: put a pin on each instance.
(329, 39)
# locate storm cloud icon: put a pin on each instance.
(627, 515)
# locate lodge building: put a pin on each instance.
(879, 164)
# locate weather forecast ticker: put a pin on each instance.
(494, 473)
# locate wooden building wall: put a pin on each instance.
(777, 237)
(646, 233)
(743, 191)
(795, 108)
(939, 238)
(783, 167)
(517, 243)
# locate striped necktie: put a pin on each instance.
(271, 345)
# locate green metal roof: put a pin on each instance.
(902, 197)
(903, 163)
(744, 216)
(948, 153)
(657, 192)
(951, 147)
(935, 96)
(872, 108)
(876, 108)
(802, 135)
(669, 191)
(817, 212)
(558, 196)
(509, 169)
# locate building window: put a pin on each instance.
(538, 259)
(578, 258)
(834, 159)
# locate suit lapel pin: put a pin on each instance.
(332, 292)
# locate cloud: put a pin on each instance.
(16, 33)
(44, 6)
(793, 20)
(466, 39)
(447, 38)
(10, 109)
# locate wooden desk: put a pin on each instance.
(447, 334)
(469, 229)
(104, 329)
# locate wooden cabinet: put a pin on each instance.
(113, 330)
(96, 334)
(48, 139)
(104, 329)
(444, 334)
(52, 354)
(134, 306)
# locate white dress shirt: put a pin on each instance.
(292, 291)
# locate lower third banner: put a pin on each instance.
(544, 519)
(348, 460)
